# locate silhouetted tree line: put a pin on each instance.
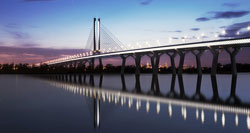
(109, 68)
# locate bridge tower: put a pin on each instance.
(97, 34)
(94, 35)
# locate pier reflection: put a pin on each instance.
(155, 99)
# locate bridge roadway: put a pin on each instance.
(242, 42)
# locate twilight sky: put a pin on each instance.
(36, 30)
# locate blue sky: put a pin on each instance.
(66, 24)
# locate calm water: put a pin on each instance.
(30, 104)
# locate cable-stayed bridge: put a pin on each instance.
(103, 44)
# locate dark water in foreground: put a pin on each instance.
(29, 104)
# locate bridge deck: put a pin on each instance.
(242, 42)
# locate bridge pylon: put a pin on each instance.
(97, 35)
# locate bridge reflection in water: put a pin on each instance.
(137, 97)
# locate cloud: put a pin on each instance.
(230, 14)
(223, 15)
(29, 45)
(146, 2)
(230, 4)
(37, 0)
(12, 26)
(201, 19)
(18, 34)
(33, 55)
(177, 31)
(195, 29)
(175, 38)
(231, 30)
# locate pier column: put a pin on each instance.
(84, 72)
(172, 56)
(197, 54)
(215, 53)
(155, 60)
(137, 84)
(233, 54)
(92, 66)
(152, 58)
(137, 72)
(101, 72)
(181, 53)
(124, 58)
(74, 72)
(137, 64)
(70, 76)
(80, 64)
(124, 88)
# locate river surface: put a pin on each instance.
(31, 104)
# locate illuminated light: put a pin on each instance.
(158, 42)
(182, 110)
(238, 33)
(80, 91)
(223, 32)
(170, 40)
(236, 120)
(83, 92)
(115, 99)
(137, 105)
(112, 97)
(103, 97)
(109, 98)
(248, 122)
(147, 106)
(202, 34)
(158, 107)
(184, 113)
(170, 110)
(202, 116)
(90, 93)
(130, 102)
(248, 28)
(223, 119)
(216, 36)
(87, 92)
(215, 116)
(122, 101)
(197, 114)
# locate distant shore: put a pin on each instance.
(45, 69)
